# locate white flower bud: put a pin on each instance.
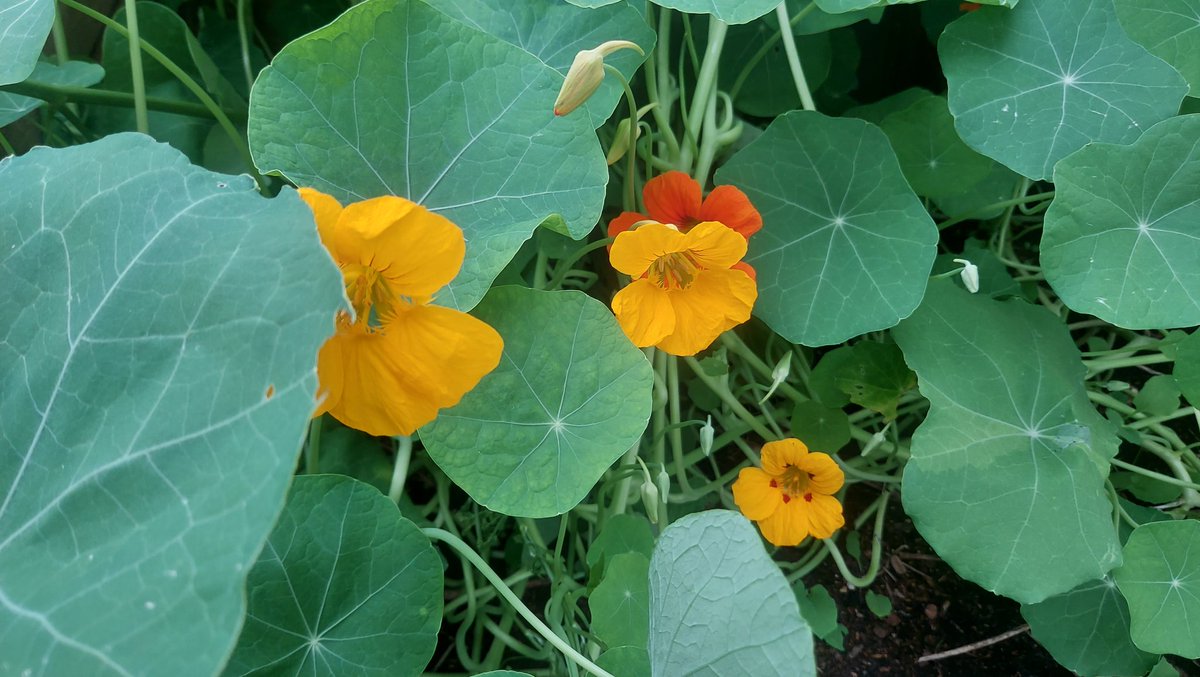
(706, 437)
(969, 275)
(778, 375)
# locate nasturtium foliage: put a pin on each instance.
(395, 97)
(1187, 368)
(768, 88)
(935, 161)
(846, 247)
(24, 25)
(345, 585)
(875, 376)
(1087, 631)
(158, 331)
(1122, 236)
(817, 20)
(72, 73)
(1006, 479)
(1170, 29)
(570, 396)
(621, 533)
(1161, 581)
(626, 661)
(729, 11)
(1158, 396)
(1032, 84)
(555, 31)
(719, 605)
(620, 605)
(821, 428)
(835, 6)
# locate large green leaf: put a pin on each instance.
(934, 159)
(1006, 480)
(1187, 368)
(1122, 236)
(1161, 582)
(158, 336)
(720, 606)
(620, 604)
(73, 73)
(1170, 29)
(729, 11)
(395, 97)
(344, 586)
(1087, 631)
(1030, 85)
(555, 31)
(24, 25)
(570, 396)
(846, 247)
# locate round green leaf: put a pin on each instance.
(1170, 29)
(935, 161)
(570, 396)
(729, 11)
(72, 73)
(1006, 479)
(1187, 368)
(1030, 85)
(159, 328)
(1122, 236)
(344, 586)
(820, 427)
(626, 661)
(846, 247)
(626, 532)
(877, 111)
(24, 25)
(397, 98)
(1159, 396)
(555, 32)
(719, 605)
(620, 605)
(1161, 582)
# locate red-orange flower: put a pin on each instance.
(675, 198)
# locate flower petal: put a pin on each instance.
(745, 268)
(326, 211)
(825, 475)
(824, 515)
(776, 456)
(714, 246)
(716, 301)
(673, 197)
(329, 366)
(624, 222)
(417, 251)
(754, 495)
(634, 250)
(731, 207)
(645, 313)
(789, 524)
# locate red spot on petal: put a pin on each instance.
(774, 484)
(808, 497)
(786, 498)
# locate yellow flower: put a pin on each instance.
(791, 497)
(397, 360)
(685, 289)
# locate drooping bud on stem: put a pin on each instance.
(586, 74)
(970, 275)
(778, 375)
(649, 494)
(706, 436)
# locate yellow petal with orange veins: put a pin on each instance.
(754, 495)
(446, 350)
(715, 246)
(776, 456)
(789, 524)
(330, 370)
(417, 251)
(644, 312)
(326, 211)
(825, 475)
(716, 301)
(824, 516)
(634, 250)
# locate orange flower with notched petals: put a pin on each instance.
(791, 496)
(675, 198)
(685, 291)
(390, 367)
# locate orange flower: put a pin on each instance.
(675, 198)
(791, 497)
(685, 291)
(397, 360)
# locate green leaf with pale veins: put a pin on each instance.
(1170, 29)
(935, 161)
(395, 97)
(555, 32)
(159, 328)
(719, 605)
(1087, 631)
(24, 25)
(626, 661)
(1122, 236)
(1187, 368)
(345, 586)
(1161, 582)
(1006, 479)
(837, 6)
(846, 247)
(875, 377)
(620, 605)
(72, 73)
(821, 428)
(729, 11)
(570, 396)
(1031, 85)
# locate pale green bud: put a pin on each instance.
(969, 275)
(706, 437)
(586, 74)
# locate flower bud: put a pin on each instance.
(620, 144)
(663, 482)
(876, 440)
(650, 500)
(586, 74)
(706, 437)
(779, 374)
(969, 275)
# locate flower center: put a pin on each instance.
(676, 270)
(793, 482)
(371, 295)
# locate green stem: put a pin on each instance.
(766, 47)
(706, 82)
(876, 550)
(135, 65)
(244, 42)
(404, 447)
(59, 95)
(631, 152)
(656, 64)
(564, 267)
(1108, 364)
(61, 47)
(732, 402)
(793, 57)
(6, 145)
(470, 555)
(1156, 475)
(312, 450)
(1048, 195)
(676, 430)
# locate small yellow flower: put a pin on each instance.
(397, 360)
(686, 291)
(791, 496)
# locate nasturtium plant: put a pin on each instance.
(1161, 581)
(1168, 29)
(24, 25)
(13, 107)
